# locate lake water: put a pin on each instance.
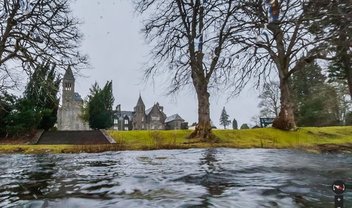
(174, 178)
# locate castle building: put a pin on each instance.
(69, 114)
(150, 119)
(175, 122)
(153, 118)
(122, 119)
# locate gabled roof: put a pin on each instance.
(140, 101)
(69, 74)
(174, 117)
(120, 115)
(129, 114)
(156, 106)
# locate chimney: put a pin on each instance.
(118, 108)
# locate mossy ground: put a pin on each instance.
(309, 138)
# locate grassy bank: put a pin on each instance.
(305, 138)
(313, 139)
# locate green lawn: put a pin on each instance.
(249, 138)
(304, 138)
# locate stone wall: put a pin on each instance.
(69, 118)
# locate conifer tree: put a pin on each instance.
(234, 124)
(224, 118)
(41, 92)
(98, 111)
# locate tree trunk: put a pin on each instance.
(203, 129)
(286, 118)
(200, 83)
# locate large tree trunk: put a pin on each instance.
(203, 129)
(200, 83)
(286, 118)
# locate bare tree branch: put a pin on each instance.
(34, 32)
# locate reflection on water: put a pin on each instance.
(174, 178)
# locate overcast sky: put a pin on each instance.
(117, 51)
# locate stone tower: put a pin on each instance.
(68, 87)
(69, 114)
(139, 118)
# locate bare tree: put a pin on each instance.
(270, 100)
(191, 40)
(279, 36)
(36, 31)
(5, 83)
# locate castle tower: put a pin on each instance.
(139, 115)
(140, 107)
(68, 87)
(69, 114)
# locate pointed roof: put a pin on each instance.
(157, 107)
(140, 101)
(69, 74)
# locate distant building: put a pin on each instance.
(153, 118)
(122, 119)
(150, 119)
(175, 122)
(69, 114)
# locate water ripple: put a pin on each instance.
(173, 178)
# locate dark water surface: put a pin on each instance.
(174, 178)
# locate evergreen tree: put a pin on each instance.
(348, 119)
(244, 126)
(335, 24)
(98, 111)
(224, 118)
(234, 124)
(7, 104)
(312, 106)
(36, 109)
(23, 118)
(41, 92)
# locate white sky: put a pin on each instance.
(117, 51)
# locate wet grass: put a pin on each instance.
(309, 138)
(303, 138)
(274, 138)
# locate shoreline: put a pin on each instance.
(74, 149)
(311, 139)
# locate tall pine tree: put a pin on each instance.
(336, 18)
(98, 111)
(224, 118)
(41, 92)
(312, 105)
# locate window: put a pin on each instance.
(155, 118)
(68, 86)
(115, 121)
(126, 128)
(126, 121)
